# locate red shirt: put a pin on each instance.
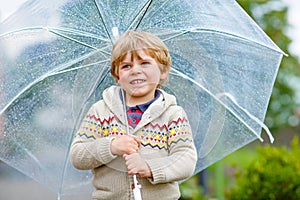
(135, 113)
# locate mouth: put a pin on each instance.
(137, 81)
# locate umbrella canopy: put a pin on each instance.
(55, 59)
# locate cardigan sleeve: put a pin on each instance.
(181, 160)
(89, 148)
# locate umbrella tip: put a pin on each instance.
(115, 32)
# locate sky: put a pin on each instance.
(8, 7)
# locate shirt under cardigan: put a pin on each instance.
(135, 113)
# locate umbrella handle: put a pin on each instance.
(135, 186)
(136, 189)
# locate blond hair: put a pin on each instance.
(132, 42)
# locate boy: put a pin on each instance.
(152, 140)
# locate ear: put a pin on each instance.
(164, 74)
(116, 77)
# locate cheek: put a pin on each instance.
(121, 78)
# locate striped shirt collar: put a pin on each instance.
(143, 107)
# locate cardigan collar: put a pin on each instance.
(112, 98)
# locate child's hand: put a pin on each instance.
(136, 165)
(125, 145)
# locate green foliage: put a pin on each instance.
(275, 174)
(191, 190)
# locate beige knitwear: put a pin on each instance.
(166, 145)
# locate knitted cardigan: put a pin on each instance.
(166, 145)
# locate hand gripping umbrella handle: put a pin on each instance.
(135, 186)
(136, 189)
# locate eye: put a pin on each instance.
(125, 66)
(145, 63)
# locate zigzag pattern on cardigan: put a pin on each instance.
(151, 135)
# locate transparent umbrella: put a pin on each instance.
(55, 63)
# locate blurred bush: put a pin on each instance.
(275, 174)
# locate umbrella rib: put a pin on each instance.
(77, 41)
(147, 6)
(178, 73)
(29, 153)
(81, 33)
(181, 32)
(86, 18)
(186, 31)
(97, 84)
(59, 70)
(56, 32)
(232, 99)
(72, 39)
(76, 68)
(102, 19)
(161, 6)
(78, 32)
(237, 36)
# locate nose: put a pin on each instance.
(136, 68)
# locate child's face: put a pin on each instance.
(139, 75)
